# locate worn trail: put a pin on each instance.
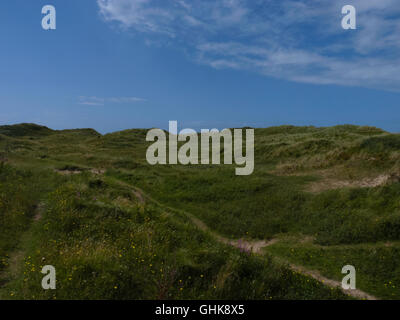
(16, 257)
(257, 246)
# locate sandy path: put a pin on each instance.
(358, 294)
(256, 247)
(16, 257)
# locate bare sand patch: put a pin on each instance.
(332, 183)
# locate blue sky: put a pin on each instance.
(118, 64)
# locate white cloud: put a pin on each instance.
(125, 99)
(91, 101)
(298, 40)
(97, 101)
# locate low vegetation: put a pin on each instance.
(108, 241)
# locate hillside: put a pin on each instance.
(116, 227)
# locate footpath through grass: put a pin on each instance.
(377, 265)
(91, 220)
(106, 244)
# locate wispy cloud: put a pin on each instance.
(91, 101)
(97, 101)
(125, 99)
(298, 40)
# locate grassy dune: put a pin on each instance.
(329, 196)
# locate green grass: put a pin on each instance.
(89, 219)
(264, 205)
(377, 265)
(105, 244)
(20, 192)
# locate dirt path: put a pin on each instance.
(242, 244)
(358, 294)
(38, 212)
(16, 257)
(138, 194)
(257, 246)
